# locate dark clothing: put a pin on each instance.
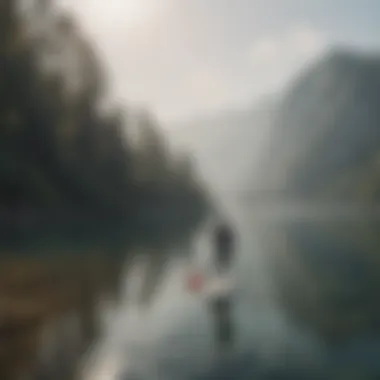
(222, 320)
(223, 247)
(221, 306)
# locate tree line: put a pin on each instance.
(66, 150)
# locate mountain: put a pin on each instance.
(327, 130)
(225, 145)
(326, 145)
(321, 138)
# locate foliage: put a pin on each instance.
(61, 153)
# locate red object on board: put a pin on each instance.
(195, 282)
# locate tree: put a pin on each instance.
(61, 153)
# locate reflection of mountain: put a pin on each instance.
(326, 144)
(327, 129)
(225, 145)
(327, 275)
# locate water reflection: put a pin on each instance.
(305, 307)
(222, 323)
(328, 275)
(56, 302)
(48, 310)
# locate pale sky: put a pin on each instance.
(183, 58)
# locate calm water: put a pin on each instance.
(306, 279)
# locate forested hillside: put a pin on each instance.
(67, 154)
(326, 134)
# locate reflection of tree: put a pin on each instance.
(61, 292)
(155, 268)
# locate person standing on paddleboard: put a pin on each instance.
(221, 301)
(223, 247)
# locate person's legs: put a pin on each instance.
(223, 327)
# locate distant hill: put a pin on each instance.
(327, 130)
(225, 145)
(320, 138)
(326, 145)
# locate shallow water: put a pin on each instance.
(172, 338)
(305, 303)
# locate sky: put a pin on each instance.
(185, 58)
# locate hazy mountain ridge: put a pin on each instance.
(327, 126)
(226, 146)
(321, 138)
(327, 146)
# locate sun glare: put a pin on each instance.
(132, 13)
(128, 13)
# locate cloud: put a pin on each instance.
(266, 49)
(301, 41)
(209, 86)
(274, 59)
(305, 40)
(182, 57)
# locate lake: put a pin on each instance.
(305, 303)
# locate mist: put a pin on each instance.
(189, 189)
